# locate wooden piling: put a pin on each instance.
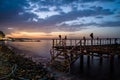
(101, 59)
(82, 63)
(88, 60)
(53, 43)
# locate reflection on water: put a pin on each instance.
(36, 50)
(92, 68)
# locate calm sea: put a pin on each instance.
(39, 51)
(92, 70)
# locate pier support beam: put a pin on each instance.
(81, 62)
(111, 64)
(101, 59)
(88, 61)
(118, 57)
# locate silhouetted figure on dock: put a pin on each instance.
(64, 43)
(84, 40)
(65, 37)
(97, 40)
(59, 36)
(116, 41)
(91, 35)
(60, 40)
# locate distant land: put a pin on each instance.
(23, 39)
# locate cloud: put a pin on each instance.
(110, 24)
(103, 24)
(10, 8)
(45, 15)
(84, 1)
(75, 14)
(99, 17)
(62, 2)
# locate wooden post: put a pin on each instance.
(118, 57)
(80, 46)
(111, 63)
(97, 40)
(53, 43)
(81, 62)
(84, 42)
(87, 43)
(75, 42)
(91, 42)
(56, 42)
(110, 41)
(88, 60)
(70, 42)
(88, 64)
(101, 58)
(100, 42)
(115, 40)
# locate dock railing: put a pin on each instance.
(87, 42)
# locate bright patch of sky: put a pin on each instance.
(35, 9)
(66, 9)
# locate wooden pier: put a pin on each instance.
(66, 51)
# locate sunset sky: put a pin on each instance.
(49, 18)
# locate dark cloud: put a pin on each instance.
(75, 14)
(103, 24)
(96, 1)
(110, 24)
(65, 27)
(62, 2)
(117, 15)
(11, 8)
(43, 9)
(99, 17)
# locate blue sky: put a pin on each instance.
(49, 18)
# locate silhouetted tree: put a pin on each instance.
(2, 35)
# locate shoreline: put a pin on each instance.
(25, 66)
(40, 59)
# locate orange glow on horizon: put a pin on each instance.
(45, 35)
(98, 32)
(36, 34)
(27, 34)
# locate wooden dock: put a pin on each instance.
(67, 51)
